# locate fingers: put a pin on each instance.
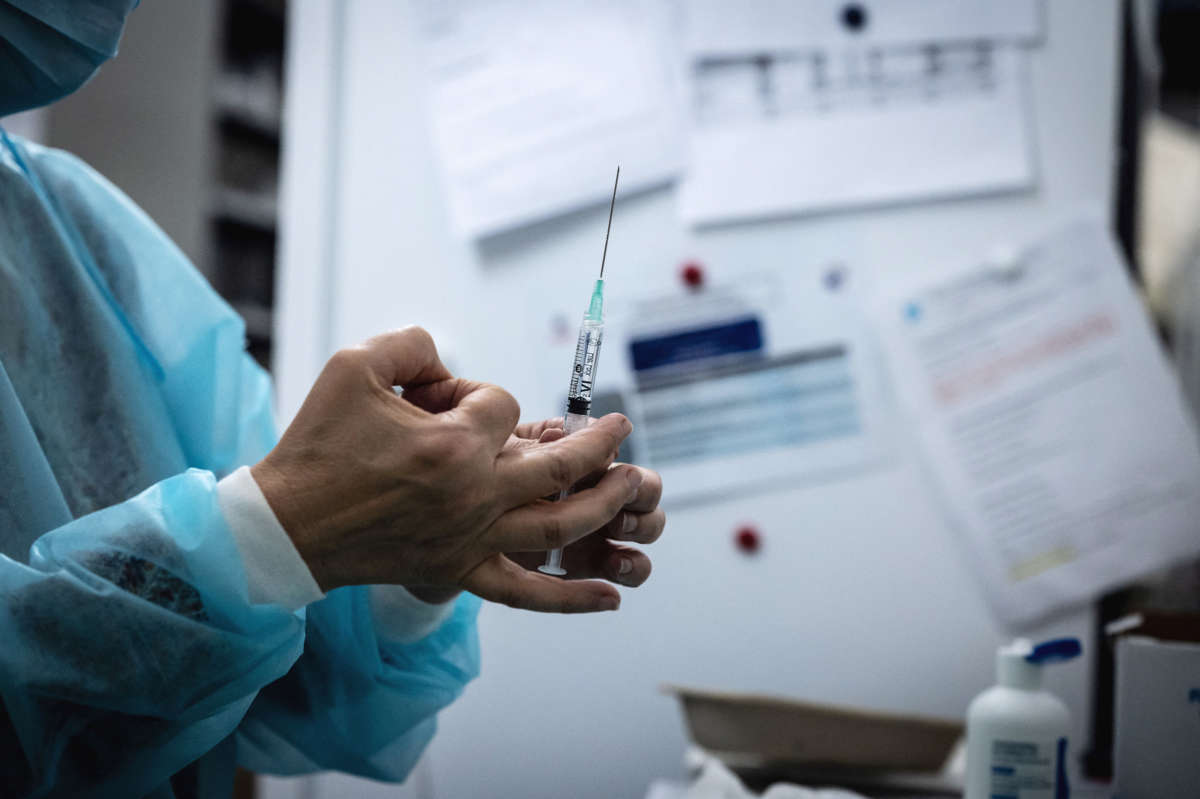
(544, 525)
(440, 396)
(619, 564)
(498, 579)
(546, 469)
(409, 358)
(534, 430)
(640, 528)
(624, 565)
(517, 440)
(404, 357)
(648, 495)
(491, 410)
(483, 407)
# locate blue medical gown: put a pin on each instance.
(129, 649)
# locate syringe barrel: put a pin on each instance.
(574, 422)
(579, 393)
(583, 368)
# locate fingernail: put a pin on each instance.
(628, 524)
(627, 426)
(635, 477)
(610, 603)
(625, 566)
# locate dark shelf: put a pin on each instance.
(243, 205)
(255, 124)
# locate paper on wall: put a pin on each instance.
(532, 105)
(758, 385)
(792, 113)
(1050, 422)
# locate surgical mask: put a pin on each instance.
(49, 48)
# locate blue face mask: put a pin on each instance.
(49, 48)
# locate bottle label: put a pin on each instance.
(1028, 769)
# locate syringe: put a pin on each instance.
(583, 370)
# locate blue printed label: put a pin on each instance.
(728, 338)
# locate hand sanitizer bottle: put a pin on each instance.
(1016, 731)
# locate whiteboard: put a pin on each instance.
(859, 594)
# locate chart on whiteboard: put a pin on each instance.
(729, 393)
(791, 113)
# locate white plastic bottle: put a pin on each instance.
(1016, 731)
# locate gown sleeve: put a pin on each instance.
(129, 643)
(130, 647)
(358, 701)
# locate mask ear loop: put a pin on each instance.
(66, 228)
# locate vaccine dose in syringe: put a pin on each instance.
(583, 369)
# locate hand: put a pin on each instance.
(640, 521)
(420, 489)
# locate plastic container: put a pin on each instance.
(1016, 730)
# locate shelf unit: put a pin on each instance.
(243, 208)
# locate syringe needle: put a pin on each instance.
(611, 204)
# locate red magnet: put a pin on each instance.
(748, 539)
(692, 274)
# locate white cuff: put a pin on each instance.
(401, 617)
(275, 572)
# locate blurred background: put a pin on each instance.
(823, 209)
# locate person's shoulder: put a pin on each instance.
(65, 173)
(43, 160)
(97, 207)
(27, 160)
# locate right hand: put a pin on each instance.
(419, 489)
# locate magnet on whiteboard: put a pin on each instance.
(748, 539)
(692, 274)
(835, 277)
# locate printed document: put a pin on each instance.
(1050, 422)
(790, 112)
(533, 105)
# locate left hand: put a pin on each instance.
(598, 555)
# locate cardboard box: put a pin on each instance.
(1157, 718)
